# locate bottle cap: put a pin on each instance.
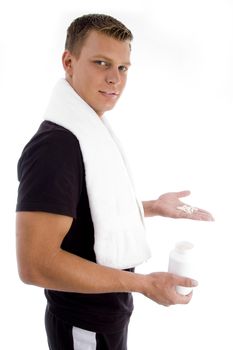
(184, 247)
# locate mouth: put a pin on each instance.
(112, 94)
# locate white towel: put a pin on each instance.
(118, 217)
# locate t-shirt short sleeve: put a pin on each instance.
(50, 172)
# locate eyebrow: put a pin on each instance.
(109, 59)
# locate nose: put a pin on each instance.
(113, 76)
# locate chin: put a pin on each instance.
(110, 107)
(102, 111)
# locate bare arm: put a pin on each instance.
(42, 262)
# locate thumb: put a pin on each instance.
(183, 193)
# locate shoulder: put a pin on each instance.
(52, 146)
(51, 172)
(50, 134)
(53, 139)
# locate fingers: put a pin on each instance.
(183, 194)
(184, 299)
(183, 281)
(186, 282)
(181, 297)
(201, 215)
(193, 213)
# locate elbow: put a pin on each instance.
(34, 271)
(32, 259)
(29, 268)
(27, 274)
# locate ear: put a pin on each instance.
(67, 59)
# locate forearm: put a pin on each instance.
(70, 273)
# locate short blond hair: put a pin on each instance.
(79, 29)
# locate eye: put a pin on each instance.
(123, 68)
(102, 63)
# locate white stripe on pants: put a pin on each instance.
(83, 340)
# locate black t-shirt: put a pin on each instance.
(52, 179)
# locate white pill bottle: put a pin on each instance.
(181, 262)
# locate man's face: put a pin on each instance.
(99, 72)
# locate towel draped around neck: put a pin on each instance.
(117, 214)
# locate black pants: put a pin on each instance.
(62, 336)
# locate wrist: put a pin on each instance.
(133, 282)
(150, 208)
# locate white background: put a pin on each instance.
(174, 122)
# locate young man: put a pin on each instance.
(80, 227)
